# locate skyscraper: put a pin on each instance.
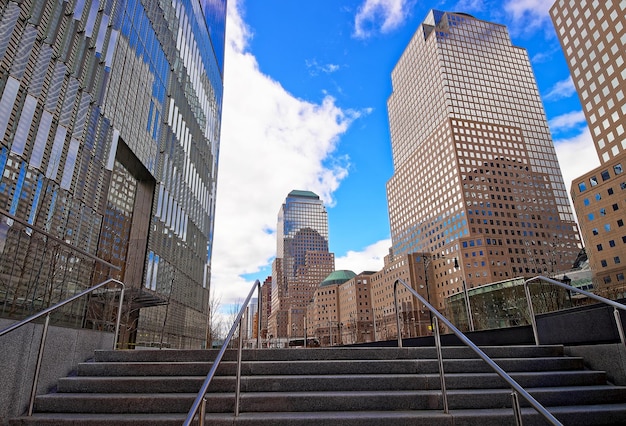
(302, 261)
(110, 125)
(475, 172)
(593, 38)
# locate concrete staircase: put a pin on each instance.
(330, 386)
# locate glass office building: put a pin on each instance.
(110, 124)
(302, 261)
(476, 175)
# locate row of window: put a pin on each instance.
(605, 175)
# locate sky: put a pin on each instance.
(305, 91)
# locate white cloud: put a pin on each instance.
(562, 89)
(576, 155)
(271, 143)
(567, 121)
(528, 15)
(380, 15)
(370, 259)
(316, 69)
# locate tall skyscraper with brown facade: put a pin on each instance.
(476, 175)
(593, 38)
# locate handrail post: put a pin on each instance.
(618, 322)
(531, 312)
(238, 387)
(202, 413)
(259, 312)
(395, 301)
(517, 411)
(42, 343)
(442, 378)
(119, 319)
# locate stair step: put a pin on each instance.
(324, 366)
(172, 384)
(608, 414)
(325, 401)
(167, 355)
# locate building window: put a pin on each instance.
(595, 231)
(605, 175)
(616, 260)
(598, 197)
(620, 277)
(612, 243)
(593, 181)
(582, 187)
(610, 191)
(607, 280)
(615, 207)
(602, 212)
(590, 216)
(620, 223)
(607, 227)
(618, 169)
(586, 201)
(603, 263)
(599, 247)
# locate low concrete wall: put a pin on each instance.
(65, 348)
(609, 357)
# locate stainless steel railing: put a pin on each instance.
(437, 316)
(616, 306)
(200, 402)
(44, 334)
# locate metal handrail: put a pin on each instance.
(200, 402)
(616, 306)
(44, 333)
(517, 389)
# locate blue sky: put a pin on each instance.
(306, 86)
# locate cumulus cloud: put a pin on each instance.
(380, 16)
(562, 89)
(371, 258)
(567, 121)
(271, 143)
(577, 156)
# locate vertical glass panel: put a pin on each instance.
(91, 19)
(23, 127)
(70, 164)
(55, 154)
(6, 103)
(102, 32)
(18, 189)
(40, 141)
(33, 208)
(9, 18)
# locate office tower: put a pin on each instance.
(593, 38)
(302, 261)
(110, 124)
(476, 176)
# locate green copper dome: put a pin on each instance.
(338, 277)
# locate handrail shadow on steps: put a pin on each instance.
(200, 402)
(437, 316)
(44, 333)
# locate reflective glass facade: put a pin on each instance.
(110, 122)
(475, 172)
